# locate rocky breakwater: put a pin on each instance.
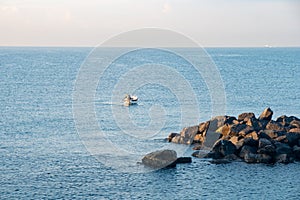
(245, 138)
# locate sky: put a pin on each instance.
(211, 23)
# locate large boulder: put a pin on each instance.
(160, 159)
(224, 148)
(266, 114)
(186, 136)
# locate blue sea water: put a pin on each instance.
(42, 155)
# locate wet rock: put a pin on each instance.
(246, 149)
(283, 158)
(182, 160)
(266, 115)
(160, 159)
(258, 158)
(282, 148)
(296, 152)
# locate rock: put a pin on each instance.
(182, 160)
(187, 134)
(172, 135)
(252, 135)
(262, 134)
(238, 143)
(266, 114)
(160, 159)
(283, 158)
(246, 131)
(199, 138)
(295, 123)
(292, 138)
(203, 127)
(274, 134)
(214, 155)
(281, 139)
(227, 159)
(268, 149)
(285, 121)
(251, 142)
(246, 149)
(263, 124)
(254, 123)
(282, 148)
(296, 151)
(230, 120)
(176, 139)
(294, 130)
(262, 142)
(235, 129)
(246, 116)
(224, 147)
(217, 122)
(258, 158)
(272, 125)
(197, 147)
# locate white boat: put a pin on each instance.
(130, 100)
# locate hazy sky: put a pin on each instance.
(90, 22)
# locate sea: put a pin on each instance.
(65, 133)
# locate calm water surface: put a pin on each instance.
(42, 155)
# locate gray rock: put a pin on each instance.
(160, 159)
(246, 149)
(258, 158)
(292, 138)
(282, 148)
(284, 158)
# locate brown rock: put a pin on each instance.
(252, 135)
(216, 123)
(295, 123)
(294, 130)
(199, 138)
(276, 126)
(266, 114)
(253, 122)
(172, 135)
(281, 139)
(246, 116)
(203, 127)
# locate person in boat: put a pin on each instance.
(129, 100)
